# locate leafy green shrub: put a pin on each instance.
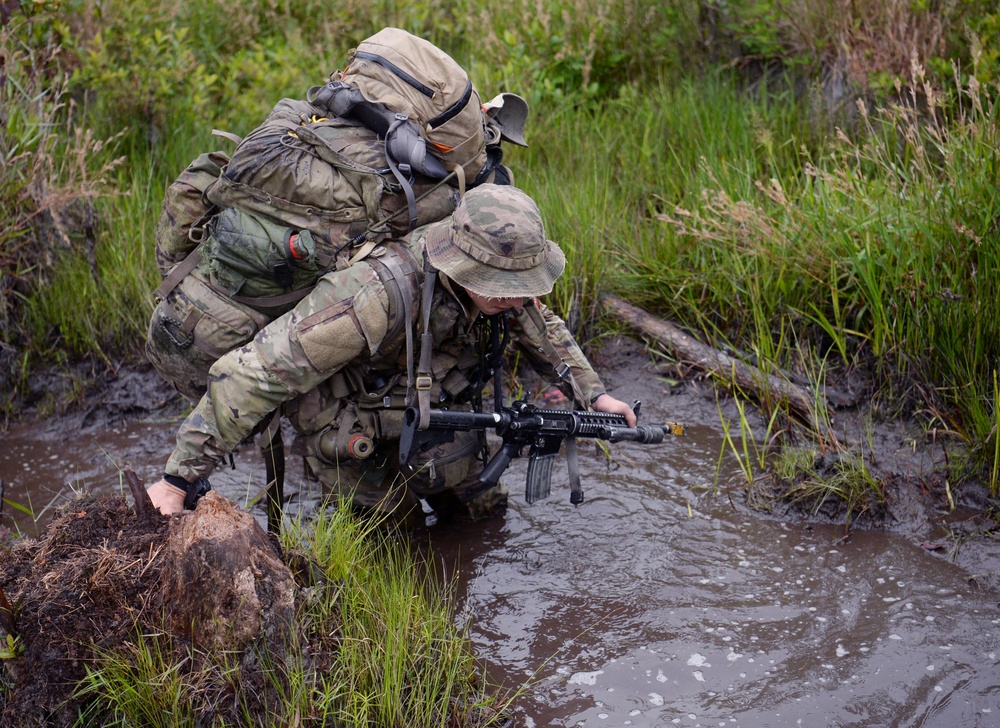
(142, 70)
(865, 45)
(268, 71)
(981, 34)
(567, 50)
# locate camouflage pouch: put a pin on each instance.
(192, 327)
(186, 209)
(446, 465)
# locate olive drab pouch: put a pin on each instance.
(253, 257)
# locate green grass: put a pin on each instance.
(98, 299)
(375, 645)
(865, 249)
(869, 248)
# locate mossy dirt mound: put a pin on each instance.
(120, 616)
(102, 579)
(84, 586)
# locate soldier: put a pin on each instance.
(340, 365)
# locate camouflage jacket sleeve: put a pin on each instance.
(343, 318)
(547, 343)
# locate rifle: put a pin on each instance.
(524, 425)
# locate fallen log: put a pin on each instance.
(766, 387)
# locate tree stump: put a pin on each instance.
(224, 583)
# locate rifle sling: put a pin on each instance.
(576, 490)
(400, 298)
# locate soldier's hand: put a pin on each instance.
(610, 405)
(166, 497)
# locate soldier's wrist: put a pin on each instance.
(177, 481)
(193, 490)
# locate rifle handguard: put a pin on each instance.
(522, 426)
(413, 435)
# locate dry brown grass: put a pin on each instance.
(855, 39)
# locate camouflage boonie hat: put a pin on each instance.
(494, 245)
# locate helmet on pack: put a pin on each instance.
(494, 245)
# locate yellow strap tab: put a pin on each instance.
(459, 172)
(363, 251)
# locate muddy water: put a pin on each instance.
(42, 467)
(655, 602)
(652, 605)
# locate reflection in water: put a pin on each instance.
(656, 603)
(42, 469)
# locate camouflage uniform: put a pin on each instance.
(338, 363)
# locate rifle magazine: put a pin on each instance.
(539, 483)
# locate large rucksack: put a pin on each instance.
(385, 146)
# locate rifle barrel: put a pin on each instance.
(644, 434)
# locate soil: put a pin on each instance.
(94, 576)
(82, 588)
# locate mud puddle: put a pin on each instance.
(657, 602)
(41, 471)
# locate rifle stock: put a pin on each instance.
(524, 425)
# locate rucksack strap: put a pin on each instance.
(404, 182)
(181, 331)
(535, 317)
(237, 140)
(279, 301)
(425, 375)
(177, 274)
(272, 450)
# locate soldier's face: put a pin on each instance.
(490, 306)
